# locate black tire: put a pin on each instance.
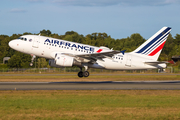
(80, 74)
(85, 73)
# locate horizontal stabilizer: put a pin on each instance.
(155, 62)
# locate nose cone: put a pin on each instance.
(14, 44)
(11, 44)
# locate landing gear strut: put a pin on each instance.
(83, 74)
(32, 60)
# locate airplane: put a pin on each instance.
(63, 53)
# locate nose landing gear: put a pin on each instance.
(32, 60)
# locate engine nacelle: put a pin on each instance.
(52, 63)
(63, 60)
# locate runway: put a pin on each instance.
(104, 85)
(129, 74)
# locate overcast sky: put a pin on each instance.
(118, 18)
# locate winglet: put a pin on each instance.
(123, 52)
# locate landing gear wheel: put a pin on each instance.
(80, 74)
(85, 73)
(31, 64)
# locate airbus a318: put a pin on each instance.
(63, 53)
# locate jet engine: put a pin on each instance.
(52, 63)
(63, 60)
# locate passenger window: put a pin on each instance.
(121, 58)
(30, 40)
(25, 39)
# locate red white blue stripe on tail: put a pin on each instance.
(154, 44)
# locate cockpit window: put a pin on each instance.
(22, 38)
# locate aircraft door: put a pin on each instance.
(36, 42)
(128, 61)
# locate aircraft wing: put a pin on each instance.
(94, 56)
(99, 56)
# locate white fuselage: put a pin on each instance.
(47, 47)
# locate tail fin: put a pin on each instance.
(154, 45)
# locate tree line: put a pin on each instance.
(21, 60)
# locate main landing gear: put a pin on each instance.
(32, 60)
(83, 74)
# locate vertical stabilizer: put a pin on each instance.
(154, 45)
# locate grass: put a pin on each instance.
(90, 104)
(92, 77)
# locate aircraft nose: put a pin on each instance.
(11, 44)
